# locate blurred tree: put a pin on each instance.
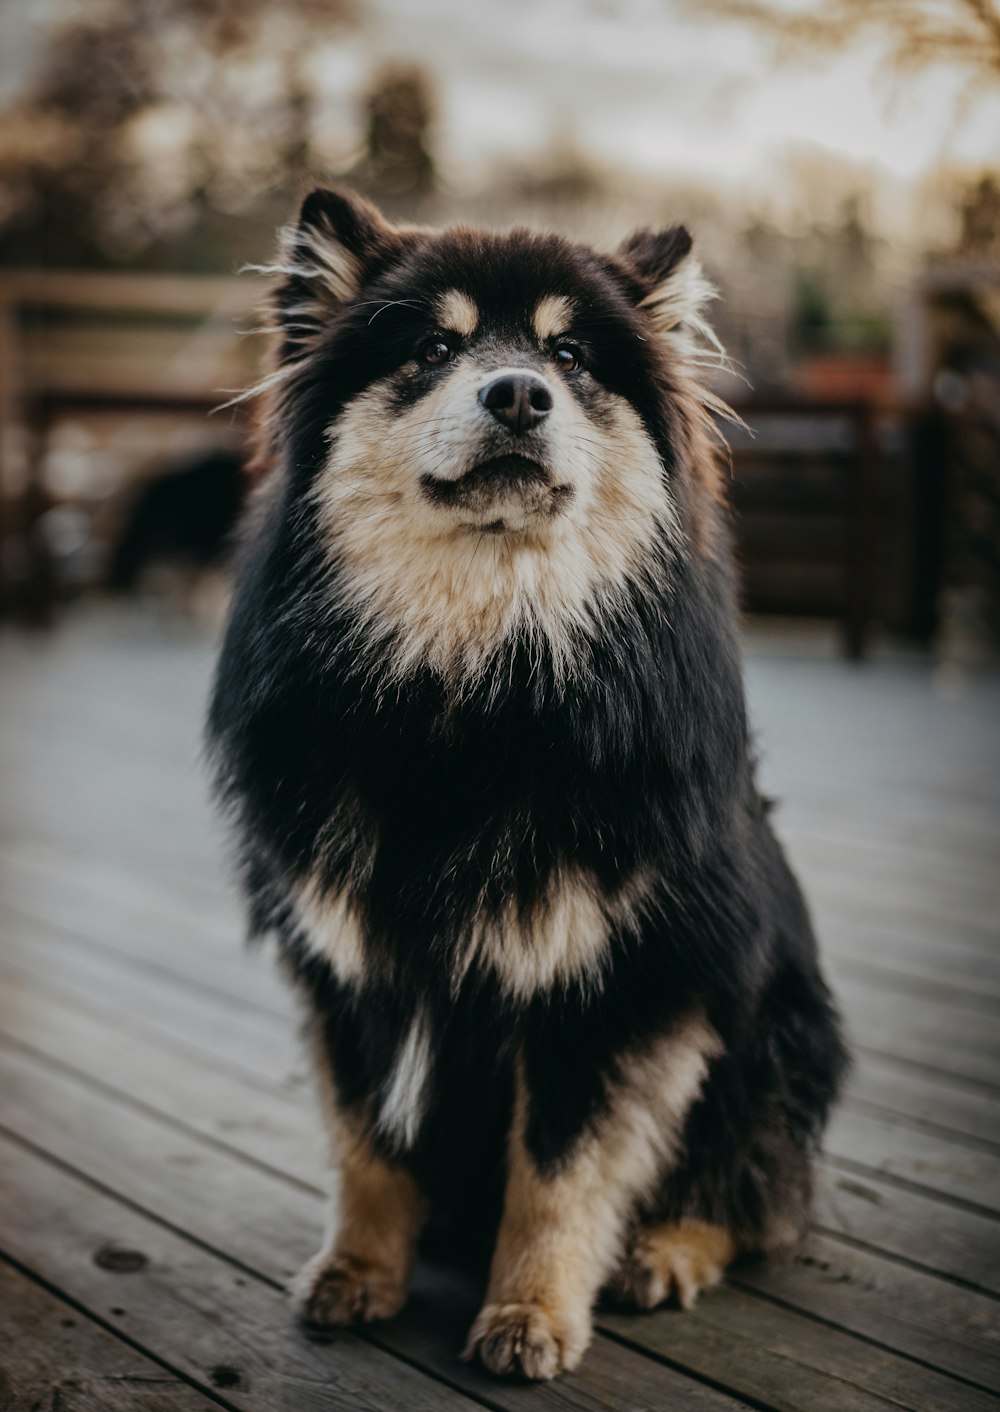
(980, 219)
(397, 159)
(811, 319)
(918, 34)
(153, 119)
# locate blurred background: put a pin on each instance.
(838, 162)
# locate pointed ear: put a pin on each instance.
(676, 288)
(338, 242)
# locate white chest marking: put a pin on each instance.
(404, 1099)
(330, 928)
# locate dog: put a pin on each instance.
(479, 724)
(183, 516)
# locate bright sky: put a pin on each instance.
(637, 82)
(642, 85)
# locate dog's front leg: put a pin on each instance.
(375, 1218)
(564, 1220)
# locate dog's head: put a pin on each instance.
(489, 430)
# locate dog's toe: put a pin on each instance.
(673, 1260)
(524, 1340)
(332, 1290)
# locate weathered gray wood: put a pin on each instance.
(953, 1107)
(125, 943)
(206, 1318)
(920, 1229)
(285, 1135)
(949, 1039)
(221, 1315)
(786, 1361)
(252, 1217)
(281, 1131)
(263, 1046)
(52, 1356)
(251, 1043)
(949, 966)
(114, 909)
(894, 1148)
(933, 1322)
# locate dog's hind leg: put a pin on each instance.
(673, 1258)
(565, 1217)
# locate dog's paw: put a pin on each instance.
(525, 1341)
(340, 1289)
(673, 1260)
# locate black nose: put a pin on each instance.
(518, 400)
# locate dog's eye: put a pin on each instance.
(567, 357)
(435, 351)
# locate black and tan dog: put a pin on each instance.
(480, 724)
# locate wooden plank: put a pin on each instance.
(946, 875)
(281, 1131)
(246, 1041)
(153, 943)
(948, 1038)
(210, 1320)
(935, 1323)
(786, 1361)
(285, 1135)
(163, 294)
(271, 1225)
(78, 1366)
(923, 1098)
(264, 1047)
(895, 1149)
(261, 1346)
(900, 976)
(856, 1206)
(966, 845)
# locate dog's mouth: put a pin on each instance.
(500, 493)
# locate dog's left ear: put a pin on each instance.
(334, 248)
(676, 288)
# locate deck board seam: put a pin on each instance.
(94, 1318)
(924, 1125)
(750, 1290)
(237, 1154)
(856, 1243)
(827, 1323)
(364, 1334)
(944, 1198)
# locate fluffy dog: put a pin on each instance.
(480, 724)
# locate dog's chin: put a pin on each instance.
(502, 495)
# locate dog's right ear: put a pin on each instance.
(333, 249)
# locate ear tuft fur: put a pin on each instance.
(677, 288)
(676, 293)
(325, 258)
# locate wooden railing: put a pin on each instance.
(138, 344)
(101, 343)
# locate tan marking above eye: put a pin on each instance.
(456, 312)
(553, 316)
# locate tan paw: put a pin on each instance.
(525, 1341)
(339, 1289)
(676, 1260)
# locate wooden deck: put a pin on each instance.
(161, 1165)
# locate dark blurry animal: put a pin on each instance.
(182, 516)
(480, 725)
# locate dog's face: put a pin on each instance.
(490, 420)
